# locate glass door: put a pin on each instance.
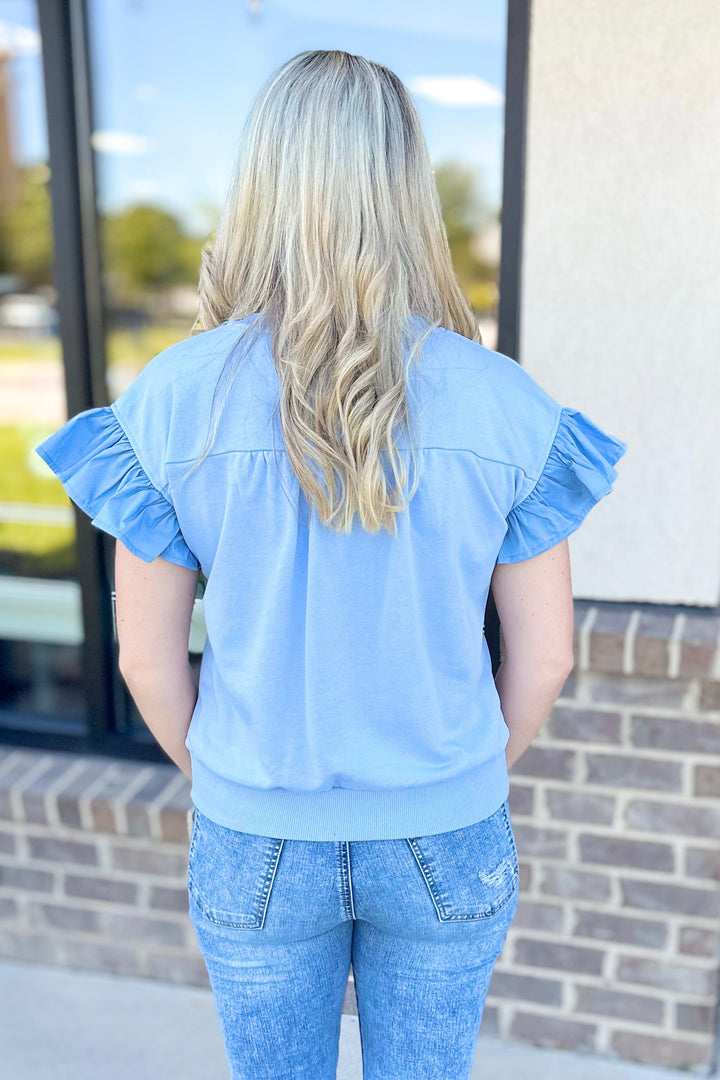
(41, 630)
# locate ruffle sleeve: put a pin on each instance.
(94, 460)
(578, 472)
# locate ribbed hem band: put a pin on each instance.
(351, 813)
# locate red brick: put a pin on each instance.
(579, 806)
(169, 899)
(526, 875)
(548, 843)
(569, 689)
(674, 899)
(23, 877)
(707, 781)
(698, 645)
(650, 656)
(66, 797)
(116, 783)
(695, 941)
(658, 1050)
(605, 926)
(552, 954)
(136, 809)
(634, 690)
(62, 917)
(663, 733)
(607, 639)
(42, 948)
(141, 928)
(522, 799)
(575, 884)
(628, 770)
(545, 763)
(7, 843)
(103, 817)
(33, 796)
(669, 817)
(173, 825)
(490, 1024)
(710, 696)
(8, 907)
(666, 976)
(703, 863)
(699, 1018)
(584, 725)
(553, 1032)
(633, 1007)
(616, 851)
(534, 915)
(101, 888)
(507, 984)
(52, 848)
(23, 762)
(149, 861)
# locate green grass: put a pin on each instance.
(29, 548)
(122, 346)
(24, 348)
(25, 477)
(35, 549)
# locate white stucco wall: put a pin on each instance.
(620, 312)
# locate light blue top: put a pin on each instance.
(346, 689)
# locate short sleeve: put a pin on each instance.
(94, 460)
(578, 472)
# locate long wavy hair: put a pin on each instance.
(331, 234)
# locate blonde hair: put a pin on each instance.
(332, 234)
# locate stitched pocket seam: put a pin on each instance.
(254, 921)
(432, 886)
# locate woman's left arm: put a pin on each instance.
(153, 607)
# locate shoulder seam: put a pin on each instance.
(131, 439)
(545, 455)
(280, 450)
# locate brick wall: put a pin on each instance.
(616, 944)
(616, 806)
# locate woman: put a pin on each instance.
(347, 744)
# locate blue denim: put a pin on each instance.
(421, 920)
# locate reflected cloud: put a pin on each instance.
(456, 90)
(119, 142)
(16, 40)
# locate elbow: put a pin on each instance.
(129, 672)
(134, 669)
(568, 665)
(552, 667)
(561, 666)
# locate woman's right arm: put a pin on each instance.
(534, 603)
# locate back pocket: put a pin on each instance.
(470, 873)
(231, 873)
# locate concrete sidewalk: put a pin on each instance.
(61, 1024)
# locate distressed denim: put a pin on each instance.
(420, 920)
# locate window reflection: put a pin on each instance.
(171, 95)
(40, 617)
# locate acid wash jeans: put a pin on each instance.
(421, 920)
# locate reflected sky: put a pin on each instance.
(174, 79)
